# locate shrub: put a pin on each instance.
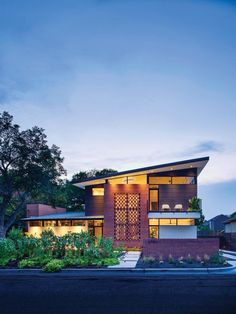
(206, 258)
(109, 261)
(7, 251)
(28, 263)
(181, 261)
(189, 259)
(71, 261)
(217, 259)
(148, 259)
(161, 261)
(198, 259)
(171, 259)
(54, 265)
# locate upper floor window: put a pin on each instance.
(183, 180)
(172, 180)
(140, 179)
(98, 191)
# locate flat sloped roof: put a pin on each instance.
(198, 163)
(64, 216)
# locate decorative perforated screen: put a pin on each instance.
(127, 216)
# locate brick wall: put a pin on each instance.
(180, 247)
(108, 230)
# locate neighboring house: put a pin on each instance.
(217, 223)
(135, 205)
(230, 225)
(230, 234)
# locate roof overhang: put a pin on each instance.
(198, 163)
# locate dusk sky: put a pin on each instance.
(127, 83)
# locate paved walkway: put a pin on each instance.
(129, 260)
(231, 255)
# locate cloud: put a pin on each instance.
(207, 146)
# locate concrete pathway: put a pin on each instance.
(231, 255)
(129, 260)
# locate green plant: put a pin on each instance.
(194, 204)
(181, 261)
(7, 251)
(198, 259)
(161, 261)
(54, 265)
(109, 261)
(189, 259)
(217, 259)
(148, 259)
(27, 263)
(171, 259)
(206, 259)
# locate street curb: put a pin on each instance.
(133, 270)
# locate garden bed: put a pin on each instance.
(216, 261)
(51, 253)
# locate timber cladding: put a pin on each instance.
(131, 201)
(173, 194)
(94, 205)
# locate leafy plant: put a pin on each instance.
(148, 259)
(54, 265)
(206, 258)
(28, 263)
(194, 204)
(189, 259)
(7, 251)
(171, 259)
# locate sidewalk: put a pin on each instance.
(128, 261)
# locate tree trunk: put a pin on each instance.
(3, 232)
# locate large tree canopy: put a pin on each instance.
(27, 165)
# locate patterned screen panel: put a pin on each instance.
(127, 216)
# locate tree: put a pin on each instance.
(27, 165)
(83, 175)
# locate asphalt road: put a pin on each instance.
(122, 293)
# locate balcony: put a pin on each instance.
(174, 214)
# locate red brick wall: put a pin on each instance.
(180, 247)
(42, 209)
(108, 230)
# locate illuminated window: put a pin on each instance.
(153, 222)
(159, 180)
(153, 228)
(64, 223)
(153, 232)
(122, 180)
(186, 222)
(153, 200)
(98, 191)
(50, 223)
(78, 223)
(142, 179)
(35, 223)
(183, 180)
(168, 222)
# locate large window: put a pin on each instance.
(183, 180)
(153, 199)
(159, 180)
(186, 222)
(35, 223)
(95, 227)
(50, 223)
(140, 179)
(172, 180)
(78, 223)
(62, 223)
(153, 228)
(168, 222)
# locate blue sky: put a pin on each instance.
(127, 83)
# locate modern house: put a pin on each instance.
(136, 205)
